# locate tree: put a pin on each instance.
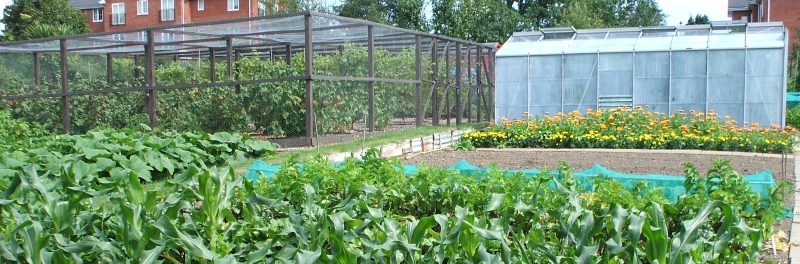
(698, 20)
(476, 20)
(400, 13)
(370, 10)
(611, 13)
(291, 6)
(27, 19)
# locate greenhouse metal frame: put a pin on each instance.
(734, 68)
(277, 37)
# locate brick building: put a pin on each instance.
(786, 11)
(111, 15)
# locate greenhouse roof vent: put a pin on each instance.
(558, 33)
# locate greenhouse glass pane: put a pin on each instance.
(587, 42)
(764, 91)
(688, 89)
(722, 39)
(580, 82)
(655, 41)
(759, 37)
(691, 39)
(651, 80)
(544, 94)
(620, 41)
(551, 46)
(515, 49)
(616, 74)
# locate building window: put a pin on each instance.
(141, 7)
(118, 14)
(167, 10)
(201, 4)
(119, 36)
(233, 5)
(97, 15)
(141, 35)
(167, 36)
(262, 9)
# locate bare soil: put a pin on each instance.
(631, 163)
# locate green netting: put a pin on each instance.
(792, 99)
(670, 185)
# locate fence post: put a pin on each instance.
(371, 68)
(109, 68)
(150, 76)
(37, 70)
(459, 110)
(309, 60)
(64, 87)
(418, 94)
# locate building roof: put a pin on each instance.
(738, 5)
(728, 35)
(87, 4)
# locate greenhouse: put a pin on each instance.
(301, 76)
(736, 69)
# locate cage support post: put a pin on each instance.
(37, 70)
(150, 76)
(109, 68)
(64, 87)
(371, 68)
(447, 83)
(212, 64)
(435, 88)
(309, 60)
(229, 56)
(459, 109)
(469, 83)
(490, 78)
(479, 87)
(136, 72)
(418, 75)
(237, 56)
(289, 54)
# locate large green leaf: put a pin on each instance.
(194, 246)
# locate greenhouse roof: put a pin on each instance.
(717, 35)
(262, 32)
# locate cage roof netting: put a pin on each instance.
(717, 35)
(263, 31)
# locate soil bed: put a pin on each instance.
(631, 163)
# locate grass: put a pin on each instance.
(355, 145)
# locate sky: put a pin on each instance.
(677, 10)
(680, 10)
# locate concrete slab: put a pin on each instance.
(686, 151)
(717, 153)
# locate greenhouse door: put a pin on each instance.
(615, 80)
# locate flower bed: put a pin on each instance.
(639, 128)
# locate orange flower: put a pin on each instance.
(602, 126)
(619, 129)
